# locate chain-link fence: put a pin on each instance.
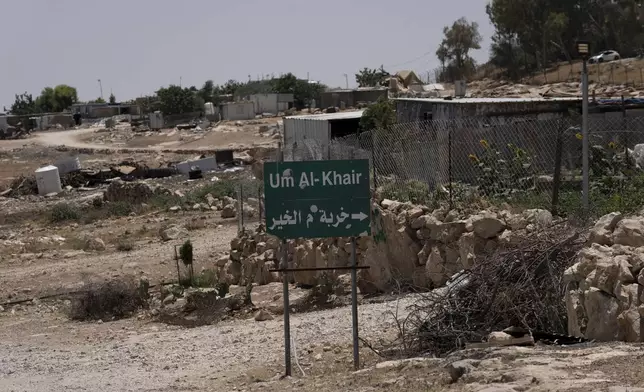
(527, 163)
(250, 203)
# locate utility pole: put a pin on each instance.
(180, 81)
(583, 48)
(100, 85)
(346, 80)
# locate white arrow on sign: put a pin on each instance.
(361, 216)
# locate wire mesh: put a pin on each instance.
(533, 163)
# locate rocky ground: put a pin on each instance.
(42, 351)
(42, 261)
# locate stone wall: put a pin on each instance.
(604, 298)
(411, 246)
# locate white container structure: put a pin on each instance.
(69, 165)
(209, 109)
(205, 164)
(156, 120)
(48, 180)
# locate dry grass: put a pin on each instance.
(518, 285)
(625, 71)
(107, 301)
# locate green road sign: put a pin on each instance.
(314, 199)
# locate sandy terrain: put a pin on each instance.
(42, 350)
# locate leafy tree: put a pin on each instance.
(372, 77)
(174, 99)
(64, 97)
(98, 100)
(46, 100)
(379, 115)
(303, 91)
(24, 104)
(230, 87)
(541, 32)
(112, 99)
(454, 51)
(207, 92)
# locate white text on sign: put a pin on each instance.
(328, 178)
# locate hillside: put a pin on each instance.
(628, 71)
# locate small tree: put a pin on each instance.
(24, 104)
(372, 77)
(112, 99)
(186, 256)
(454, 51)
(378, 116)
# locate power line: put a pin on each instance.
(410, 61)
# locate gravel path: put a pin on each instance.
(120, 357)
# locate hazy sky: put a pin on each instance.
(136, 46)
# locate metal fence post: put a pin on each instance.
(585, 140)
(556, 182)
(373, 159)
(449, 165)
(241, 205)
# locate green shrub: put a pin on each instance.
(413, 191)
(63, 212)
(119, 208)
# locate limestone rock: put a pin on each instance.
(487, 226)
(448, 232)
(576, 313)
(629, 323)
(602, 232)
(414, 213)
(458, 369)
(263, 315)
(629, 232)
(229, 211)
(420, 221)
(538, 217)
(173, 233)
(602, 311)
(94, 244)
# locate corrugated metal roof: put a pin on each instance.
(328, 116)
(490, 100)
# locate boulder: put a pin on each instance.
(229, 211)
(602, 311)
(602, 232)
(487, 226)
(263, 315)
(538, 217)
(173, 232)
(94, 245)
(629, 232)
(448, 232)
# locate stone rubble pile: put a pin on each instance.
(410, 245)
(605, 296)
(132, 192)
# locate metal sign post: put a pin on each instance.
(318, 199)
(354, 304)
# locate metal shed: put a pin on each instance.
(233, 111)
(317, 130)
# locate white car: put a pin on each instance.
(609, 55)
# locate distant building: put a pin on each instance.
(234, 111)
(498, 110)
(272, 103)
(352, 98)
(309, 136)
(102, 110)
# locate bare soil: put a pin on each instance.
(42, 350)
